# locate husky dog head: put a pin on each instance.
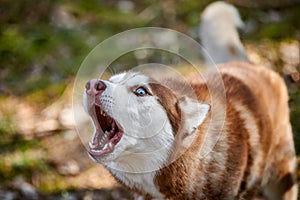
(136, 121)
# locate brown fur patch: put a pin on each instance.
(232, 50)
(168, 100)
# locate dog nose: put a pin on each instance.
(88, 85)
(100, 86)
(95, 86)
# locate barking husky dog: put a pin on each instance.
(219, 34)
(142, 127)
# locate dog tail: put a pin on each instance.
(219, 34)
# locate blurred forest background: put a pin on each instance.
(42, 44)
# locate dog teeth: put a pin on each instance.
(106, 133)
(105, 146)
(102, 113)
(104, 137)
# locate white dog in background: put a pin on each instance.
(219, 35)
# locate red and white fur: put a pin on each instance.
(175, 146)
(232, 139)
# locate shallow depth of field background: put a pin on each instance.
(42, 44)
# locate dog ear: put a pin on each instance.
(193, 113)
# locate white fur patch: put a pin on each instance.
(117, 78)
(194, 113)
(130, 79)
(140, 181)
(254, 139)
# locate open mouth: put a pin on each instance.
(107, 132)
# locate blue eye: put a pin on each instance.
(140, 91)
